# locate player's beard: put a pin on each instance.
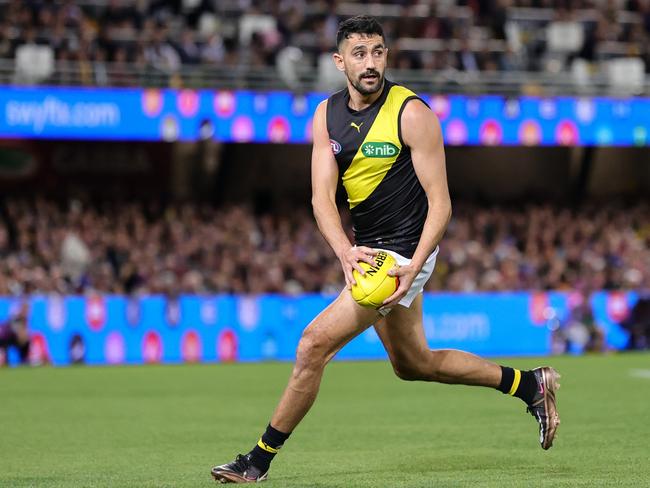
(357, 84)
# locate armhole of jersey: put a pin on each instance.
(399, 116)
(327, 115)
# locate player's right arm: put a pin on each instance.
(324, 180)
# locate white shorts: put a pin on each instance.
(419, 281)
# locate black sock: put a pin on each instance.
(521, 384)
(267, 447)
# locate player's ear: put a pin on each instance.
(338, 61)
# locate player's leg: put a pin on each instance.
(334, 327)
(402, 334)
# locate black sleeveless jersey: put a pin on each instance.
(387, 202)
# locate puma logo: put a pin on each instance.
(358, 127)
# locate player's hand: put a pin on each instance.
(350, 260)
(406, 275)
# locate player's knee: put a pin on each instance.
(409, 371)
(404, 373)
(311, 352)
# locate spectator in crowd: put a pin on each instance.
(122, 73)
(14, 334)
(189, 50)
(579, 331)
(161, 55)
(77, 349)
(638, 323)
(467, 58)
(7, 40)
(213, 51)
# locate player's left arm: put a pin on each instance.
(421, 132)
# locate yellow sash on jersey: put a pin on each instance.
(378, 151)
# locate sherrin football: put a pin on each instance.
(375, 285)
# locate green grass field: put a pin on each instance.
(165, 426)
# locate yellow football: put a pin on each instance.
(375, 285)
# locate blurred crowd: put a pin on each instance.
(540, 247)
(132, 248)
(462, 35)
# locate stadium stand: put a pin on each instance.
(571, 46)
(151, 248)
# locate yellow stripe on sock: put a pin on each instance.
(266, 447)
(515, 382)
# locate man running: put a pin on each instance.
(386, 145)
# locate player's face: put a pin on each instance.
(362, 58)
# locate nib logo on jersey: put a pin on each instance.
(379, 150)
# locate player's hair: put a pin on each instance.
(361, 24)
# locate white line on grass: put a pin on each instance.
(640, 373)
